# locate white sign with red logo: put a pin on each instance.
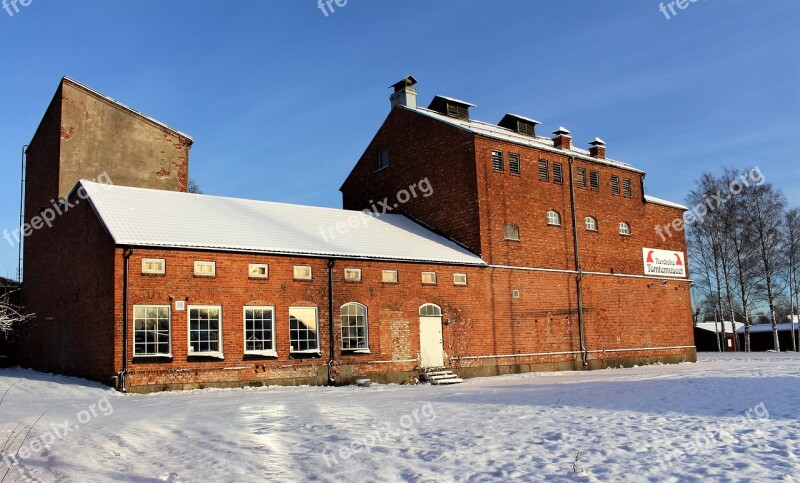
(663, 263)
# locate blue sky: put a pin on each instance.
(282, 100)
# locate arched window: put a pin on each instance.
(553, 218)
(354, 327)
(511, 232)
(624, 228)
(430, 310)
(591, 223)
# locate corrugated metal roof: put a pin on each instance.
(158, 218)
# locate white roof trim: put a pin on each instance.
(158, 218)
(659, 201)
(129, 109)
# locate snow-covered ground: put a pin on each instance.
(729, 418)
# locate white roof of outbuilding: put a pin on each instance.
(715, 326)
(158, 218)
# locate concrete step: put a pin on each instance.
(440, 376)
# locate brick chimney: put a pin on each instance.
(404, 94)
(562, 139)
(597, 148)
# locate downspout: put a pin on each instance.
(126, 255)
(21, 212)
(331, 380)
(579, 276)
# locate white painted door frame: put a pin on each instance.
(431, 342)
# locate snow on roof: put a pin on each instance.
(498, 132)
(532, 121)
(761, 328)
(453, 99)
(129, 109)
(715, 326)
(659, 201)
(158, 218)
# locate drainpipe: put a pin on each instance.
(21, 213)
(331, 380)
(126, 255)
(579, 277)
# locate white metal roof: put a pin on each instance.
(659, 201)
(761, 328)
(158, 218)
(715, 326)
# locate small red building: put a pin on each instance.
(487, 249)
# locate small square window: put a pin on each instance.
(352, 274)
(302, 272)
(258, 270)
(515, 294)
(205, 269)
(180, 305)
(389, 276)
(154, 265)
(459, 279)
(429, 278)
(383, 159)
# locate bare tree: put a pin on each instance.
(764, 214)
(193, 187)
(11, 316)
(792, 250)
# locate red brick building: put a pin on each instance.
(490, 250)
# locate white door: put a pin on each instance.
(431, 344)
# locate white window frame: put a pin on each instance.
(624, 229)
(456, 280)
(590, 223)
(396, 276)
(257, 266)
(219, 353)
(553, 218)
(359, 350)
(169, 330)
(272, 352)
(352, 271)
(200, 263)
(428, 283)
(316, 316)
(162, 261)
(310, 272)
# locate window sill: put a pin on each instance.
(257, 278)
(212, 355)
(356, 351)
(382, 168)
(154, 274)
(262, 353)
(197, 275)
